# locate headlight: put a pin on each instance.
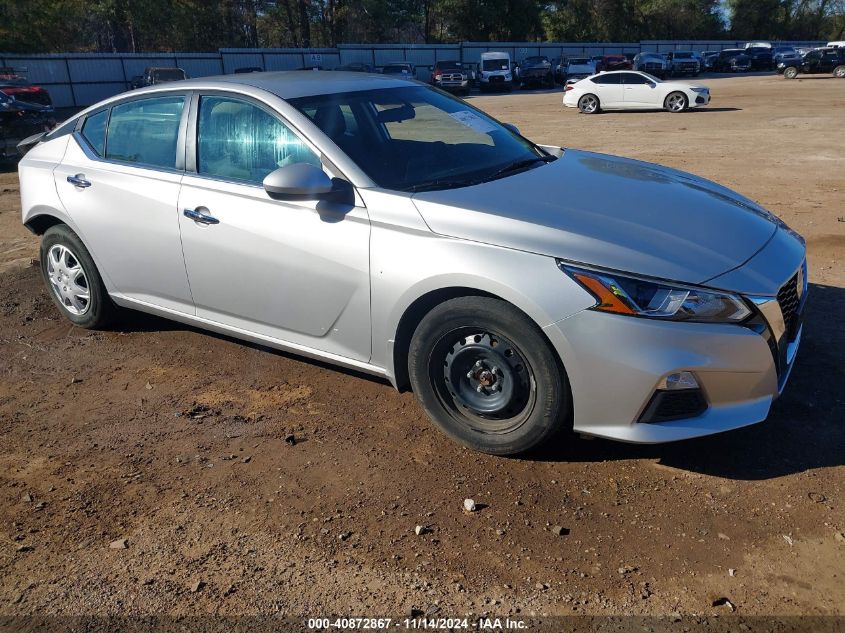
(657, 299)
(508, 76)
(700, 90)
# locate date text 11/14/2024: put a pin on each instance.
(417, 623)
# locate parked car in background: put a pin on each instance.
(405, 69)
(20, 120)
(732, 60)
(781, 51)
(356, 67)
(819, 61)
(839, 44)
(559, 69)
(708, 57)
(536, 71)
(244, 70)
(13, 82)
(496, 72)
(787, 58)
(631, 90)
(613, 62)
(683, 63)
(652, 63)
(451, 76)
(761, 57)
(157, 75)
(579, 67)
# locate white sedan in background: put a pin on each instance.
(633, 90)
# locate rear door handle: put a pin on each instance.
(79, 181)
(200, 216)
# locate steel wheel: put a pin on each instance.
(588, 104)
(676, 102)
(68, 279)
(790, 73)
(839, 71)
(484, 380)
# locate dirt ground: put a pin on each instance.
(174, 440)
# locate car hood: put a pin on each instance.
(608, 212)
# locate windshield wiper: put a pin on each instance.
(441, 184)
(518, 166)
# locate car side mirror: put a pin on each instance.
(512, 128)
(300, 181)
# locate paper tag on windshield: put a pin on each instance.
(473, 121)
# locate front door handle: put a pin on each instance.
(200, 216)
(79, 181)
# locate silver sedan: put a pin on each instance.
(380, 224)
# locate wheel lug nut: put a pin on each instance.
(469, 374)
(480, 388)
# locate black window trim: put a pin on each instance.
(179, 158)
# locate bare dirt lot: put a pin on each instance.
(174, 440)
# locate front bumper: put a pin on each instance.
(615, 365)
(453, 86)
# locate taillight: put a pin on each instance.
(569, 87)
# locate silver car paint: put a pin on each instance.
(610, 212)
(424, 243)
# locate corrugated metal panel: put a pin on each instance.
(386, 56)
(349, 55)
(231, 61)
(95, 69)
(61, 95)
(420, 56)
(289, 61)
(202, 67)
(42, 70)
(86, 94)
(452, 53)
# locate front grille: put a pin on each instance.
(495, 79)
(789, 301)
(452, 77)
(651, 67)
(674, 405)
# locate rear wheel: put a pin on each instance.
(790, 73)
(676, 102)
(485, 374)
(839, 71)
(589, 104)
(72, 278)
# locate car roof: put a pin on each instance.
(290, 84)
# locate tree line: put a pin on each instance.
(43, 26)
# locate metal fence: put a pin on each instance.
(80, 79)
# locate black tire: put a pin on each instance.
(790, 72)
(487, 377)
(839, 72)
(95, 312)
(674, 96)
(584, 107)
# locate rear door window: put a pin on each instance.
(145, 131)
(94, 131)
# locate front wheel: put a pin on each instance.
(487, 377)
(839, 72)
(675, 102)
(589, 104)
(72, 278)
(790, 73)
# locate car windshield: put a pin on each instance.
(415, 138)
(396, 69)
(579, 61)
(13, 81)
(448, 65)
(652, 78)
(536, 60)
(495, 64)
(683, 55)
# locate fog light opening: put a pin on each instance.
(678, 381)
